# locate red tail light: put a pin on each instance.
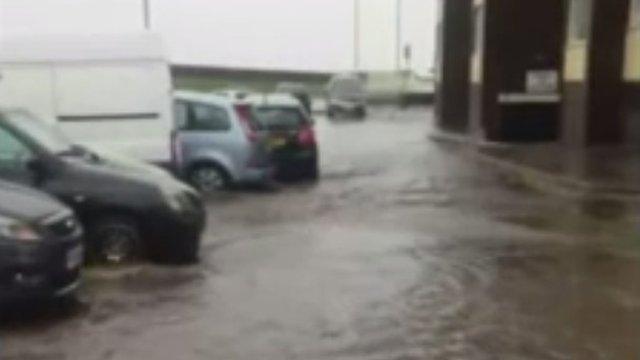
(245, 116)
(306, 136)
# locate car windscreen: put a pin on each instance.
(280, 117)
(46, 136)
(346, 88)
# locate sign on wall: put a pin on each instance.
(542, 81)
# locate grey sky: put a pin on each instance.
(294, 34)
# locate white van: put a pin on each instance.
(108, 92)
(346, 95)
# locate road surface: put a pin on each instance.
(405, 249)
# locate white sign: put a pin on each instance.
(542, 81)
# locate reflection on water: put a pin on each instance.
(498, 300)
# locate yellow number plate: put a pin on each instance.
(277, 142)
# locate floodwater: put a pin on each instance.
(405, 249)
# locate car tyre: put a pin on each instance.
(68, 304)
(117, 240)
(209, 178)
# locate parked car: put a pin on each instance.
(41, 249)
(64, 80)
(217, 142)
(297, 90)
(346, 96)
(291, 135)
(128, 208)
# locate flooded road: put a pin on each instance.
(405, 249)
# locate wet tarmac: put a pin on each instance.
(405, 249)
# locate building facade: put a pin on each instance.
(631, 76)
(563, 71)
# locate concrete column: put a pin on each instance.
(453, 87)
(593, 86)
(512, 38)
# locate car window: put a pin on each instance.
(580, 20)
(280, 118)
(14, 155)
(634, 24)
(46, 136)
(181, 114)
(208, 117)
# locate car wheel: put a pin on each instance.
(68, 304)
(209, 179)
(117, 240)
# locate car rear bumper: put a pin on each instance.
(39, 270)
(296, 163)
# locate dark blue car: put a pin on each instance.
(41, 251)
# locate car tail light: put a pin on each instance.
(244, 114)
(306, 136)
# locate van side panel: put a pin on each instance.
(118, 106)
(29, 87)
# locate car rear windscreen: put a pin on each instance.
(280, 117)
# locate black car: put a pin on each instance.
(291, 135)
(41, 249)
(129, 209)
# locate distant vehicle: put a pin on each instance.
(217, 142)
(128, 208)
(110, 92)
(299, 91)
(292, 139)
(346, 95)
(41, 249)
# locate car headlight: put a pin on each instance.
(16, 230)
(174, 202)
(173, 199)
(177, 196)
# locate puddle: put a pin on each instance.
(604, 209)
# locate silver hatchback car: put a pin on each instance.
(217, 142)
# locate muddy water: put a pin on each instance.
(404, 250)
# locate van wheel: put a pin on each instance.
(209, 179)
(117, 240)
